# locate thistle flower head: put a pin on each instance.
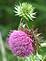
(20, 44)
(25, 10)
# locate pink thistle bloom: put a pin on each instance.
(20, 44)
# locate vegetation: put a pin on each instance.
(9, 21)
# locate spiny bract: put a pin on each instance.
(25, 10)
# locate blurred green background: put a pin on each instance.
(9, 21)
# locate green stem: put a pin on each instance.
(2, 49)
(23, 24)
(20, 24)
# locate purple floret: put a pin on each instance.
(20, 44)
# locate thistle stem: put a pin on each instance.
(20, 24)
(23, 24)
(2, 49)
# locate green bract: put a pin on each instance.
(25, 10)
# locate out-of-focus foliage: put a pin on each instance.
(9, 21)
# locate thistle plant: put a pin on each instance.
(20, 42)
(24, 41)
